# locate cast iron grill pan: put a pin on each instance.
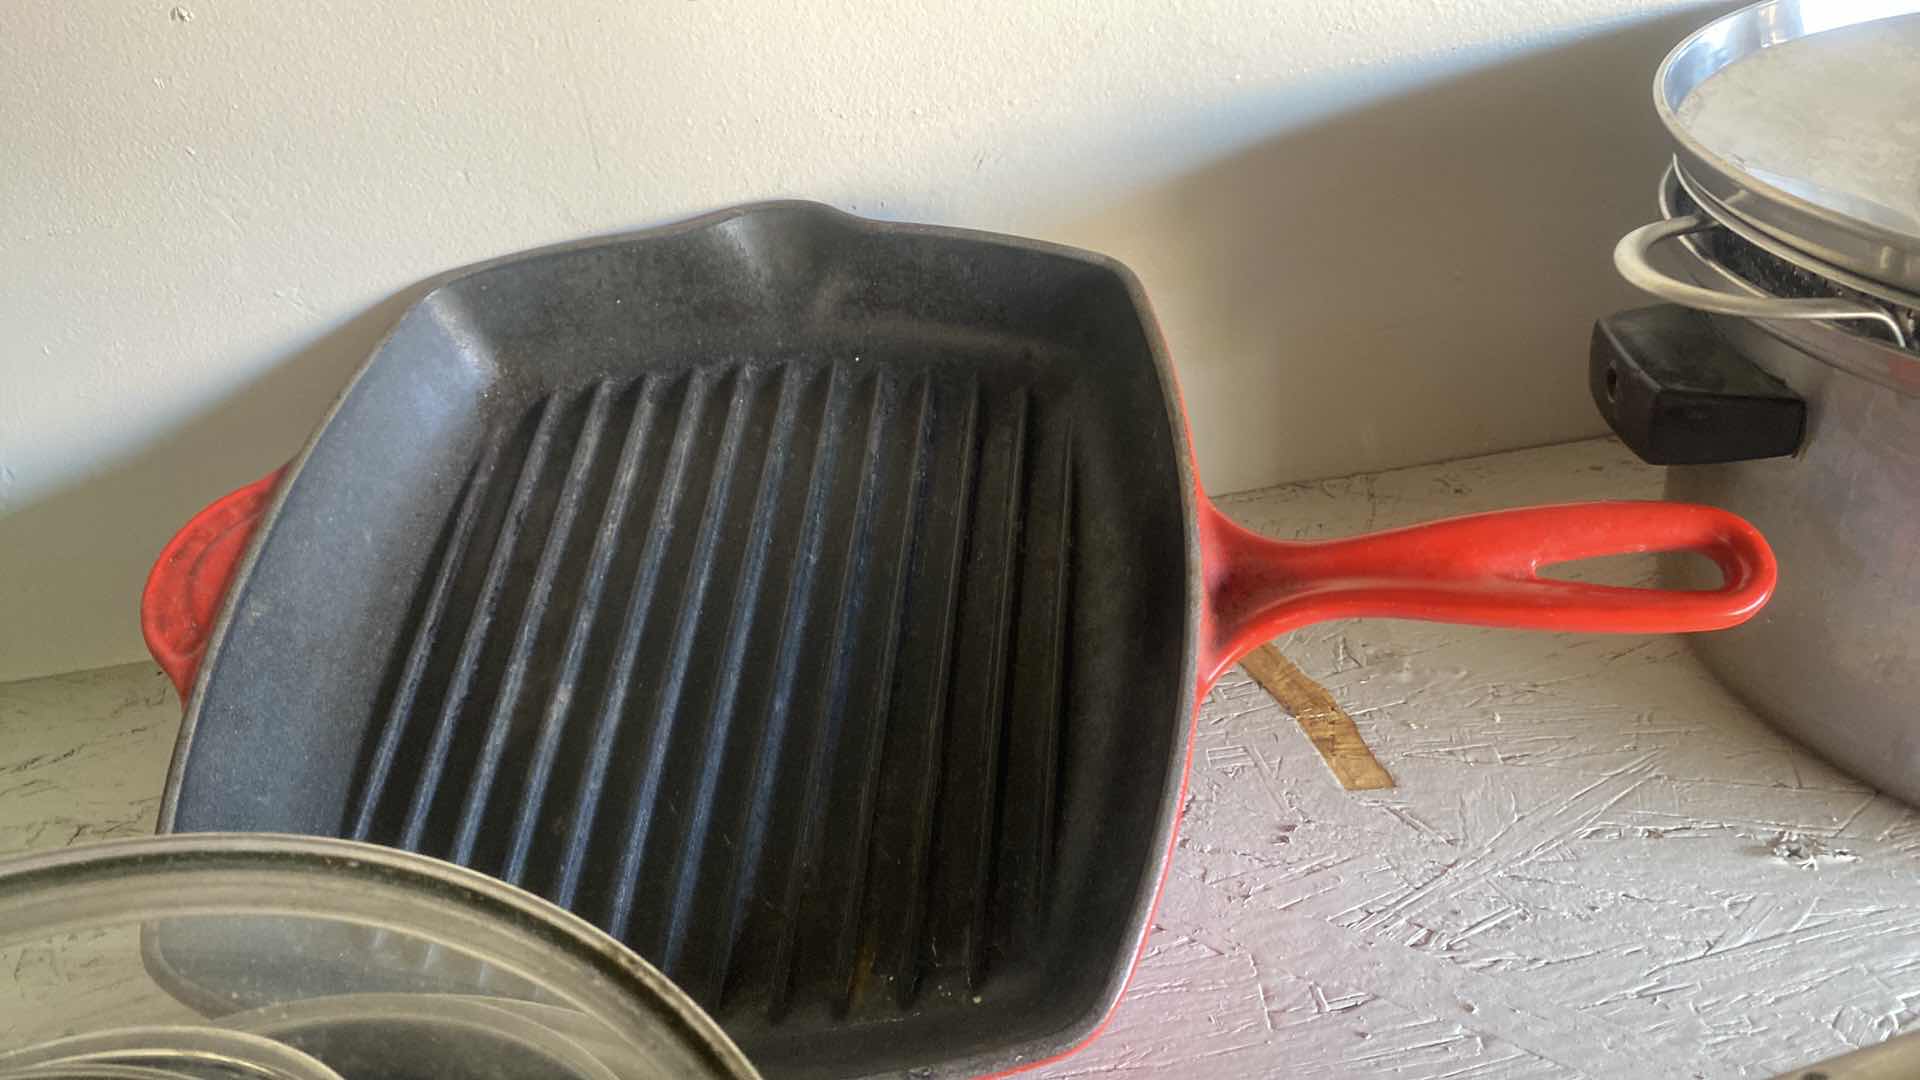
(773, 593)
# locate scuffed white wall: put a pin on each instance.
(1376, 231)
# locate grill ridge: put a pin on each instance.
(923, 798)
(1049, 713)
(766, 757)
(667, 708)
(897, 616)
(475, 638)
(994, 778)
(800, 881)
(387, 747)
(969, 781)
(606, 727)
(553, 719)
(683, 875)
(514, 676)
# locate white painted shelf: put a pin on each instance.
(1595, 864)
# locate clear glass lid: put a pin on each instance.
(201, 956)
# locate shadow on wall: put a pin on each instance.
(86, 600)
(1329, 292)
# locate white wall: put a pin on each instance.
(1376, 231)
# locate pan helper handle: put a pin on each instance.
(1482, 570)
(190, 579)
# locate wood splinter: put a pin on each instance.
(1327, 725)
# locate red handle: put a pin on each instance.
(188, 581)
(1480, 569)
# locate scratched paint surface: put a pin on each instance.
(1579, 874)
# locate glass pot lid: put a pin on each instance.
(218, 955)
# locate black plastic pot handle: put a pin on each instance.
(1677, 394)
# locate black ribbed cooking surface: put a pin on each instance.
(760, 667)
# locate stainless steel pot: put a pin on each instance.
(1782, 380)
(1835, 659)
